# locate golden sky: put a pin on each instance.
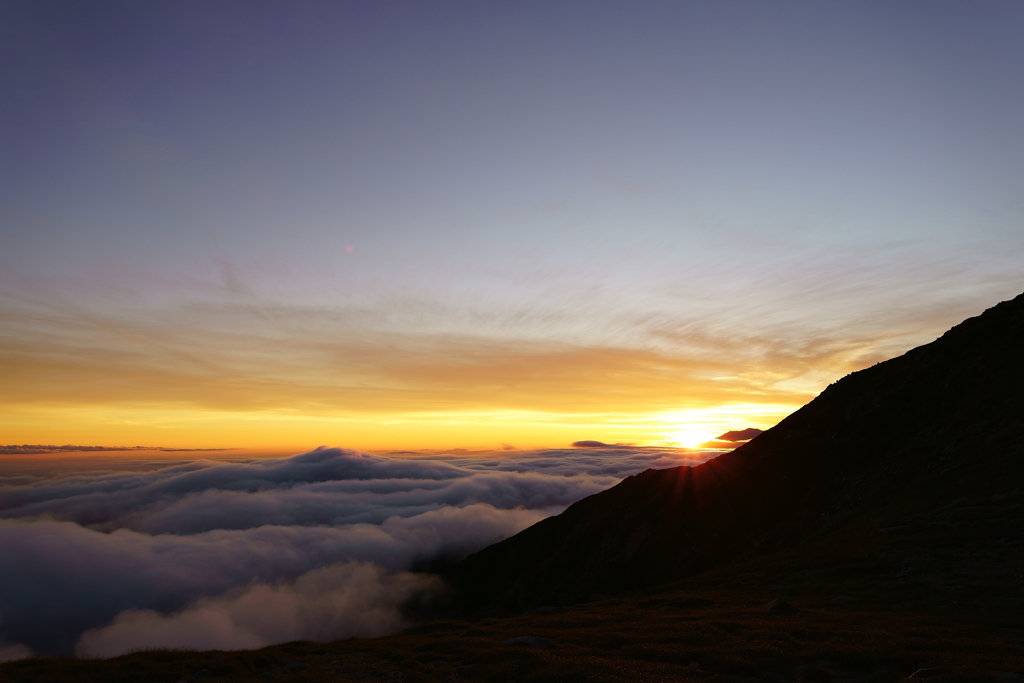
(235, 374)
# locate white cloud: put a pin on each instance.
(339, 601)
(147, 559)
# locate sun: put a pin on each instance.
(692, 438)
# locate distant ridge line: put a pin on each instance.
(39, 449)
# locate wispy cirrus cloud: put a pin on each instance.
(233, 357)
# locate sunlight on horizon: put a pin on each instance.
(489, 429)
(692, 438)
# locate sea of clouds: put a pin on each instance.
(227, 555)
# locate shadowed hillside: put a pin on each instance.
(915, 462)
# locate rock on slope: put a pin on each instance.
(934, 438)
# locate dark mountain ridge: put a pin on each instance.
(930, 444)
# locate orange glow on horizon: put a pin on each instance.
(118, 380)
(106, 426)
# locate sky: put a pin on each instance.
(431, 225)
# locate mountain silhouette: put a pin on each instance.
(916, 462)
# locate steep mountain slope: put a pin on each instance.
(930, 443)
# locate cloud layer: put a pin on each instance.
(183, 555)
(345, 599)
